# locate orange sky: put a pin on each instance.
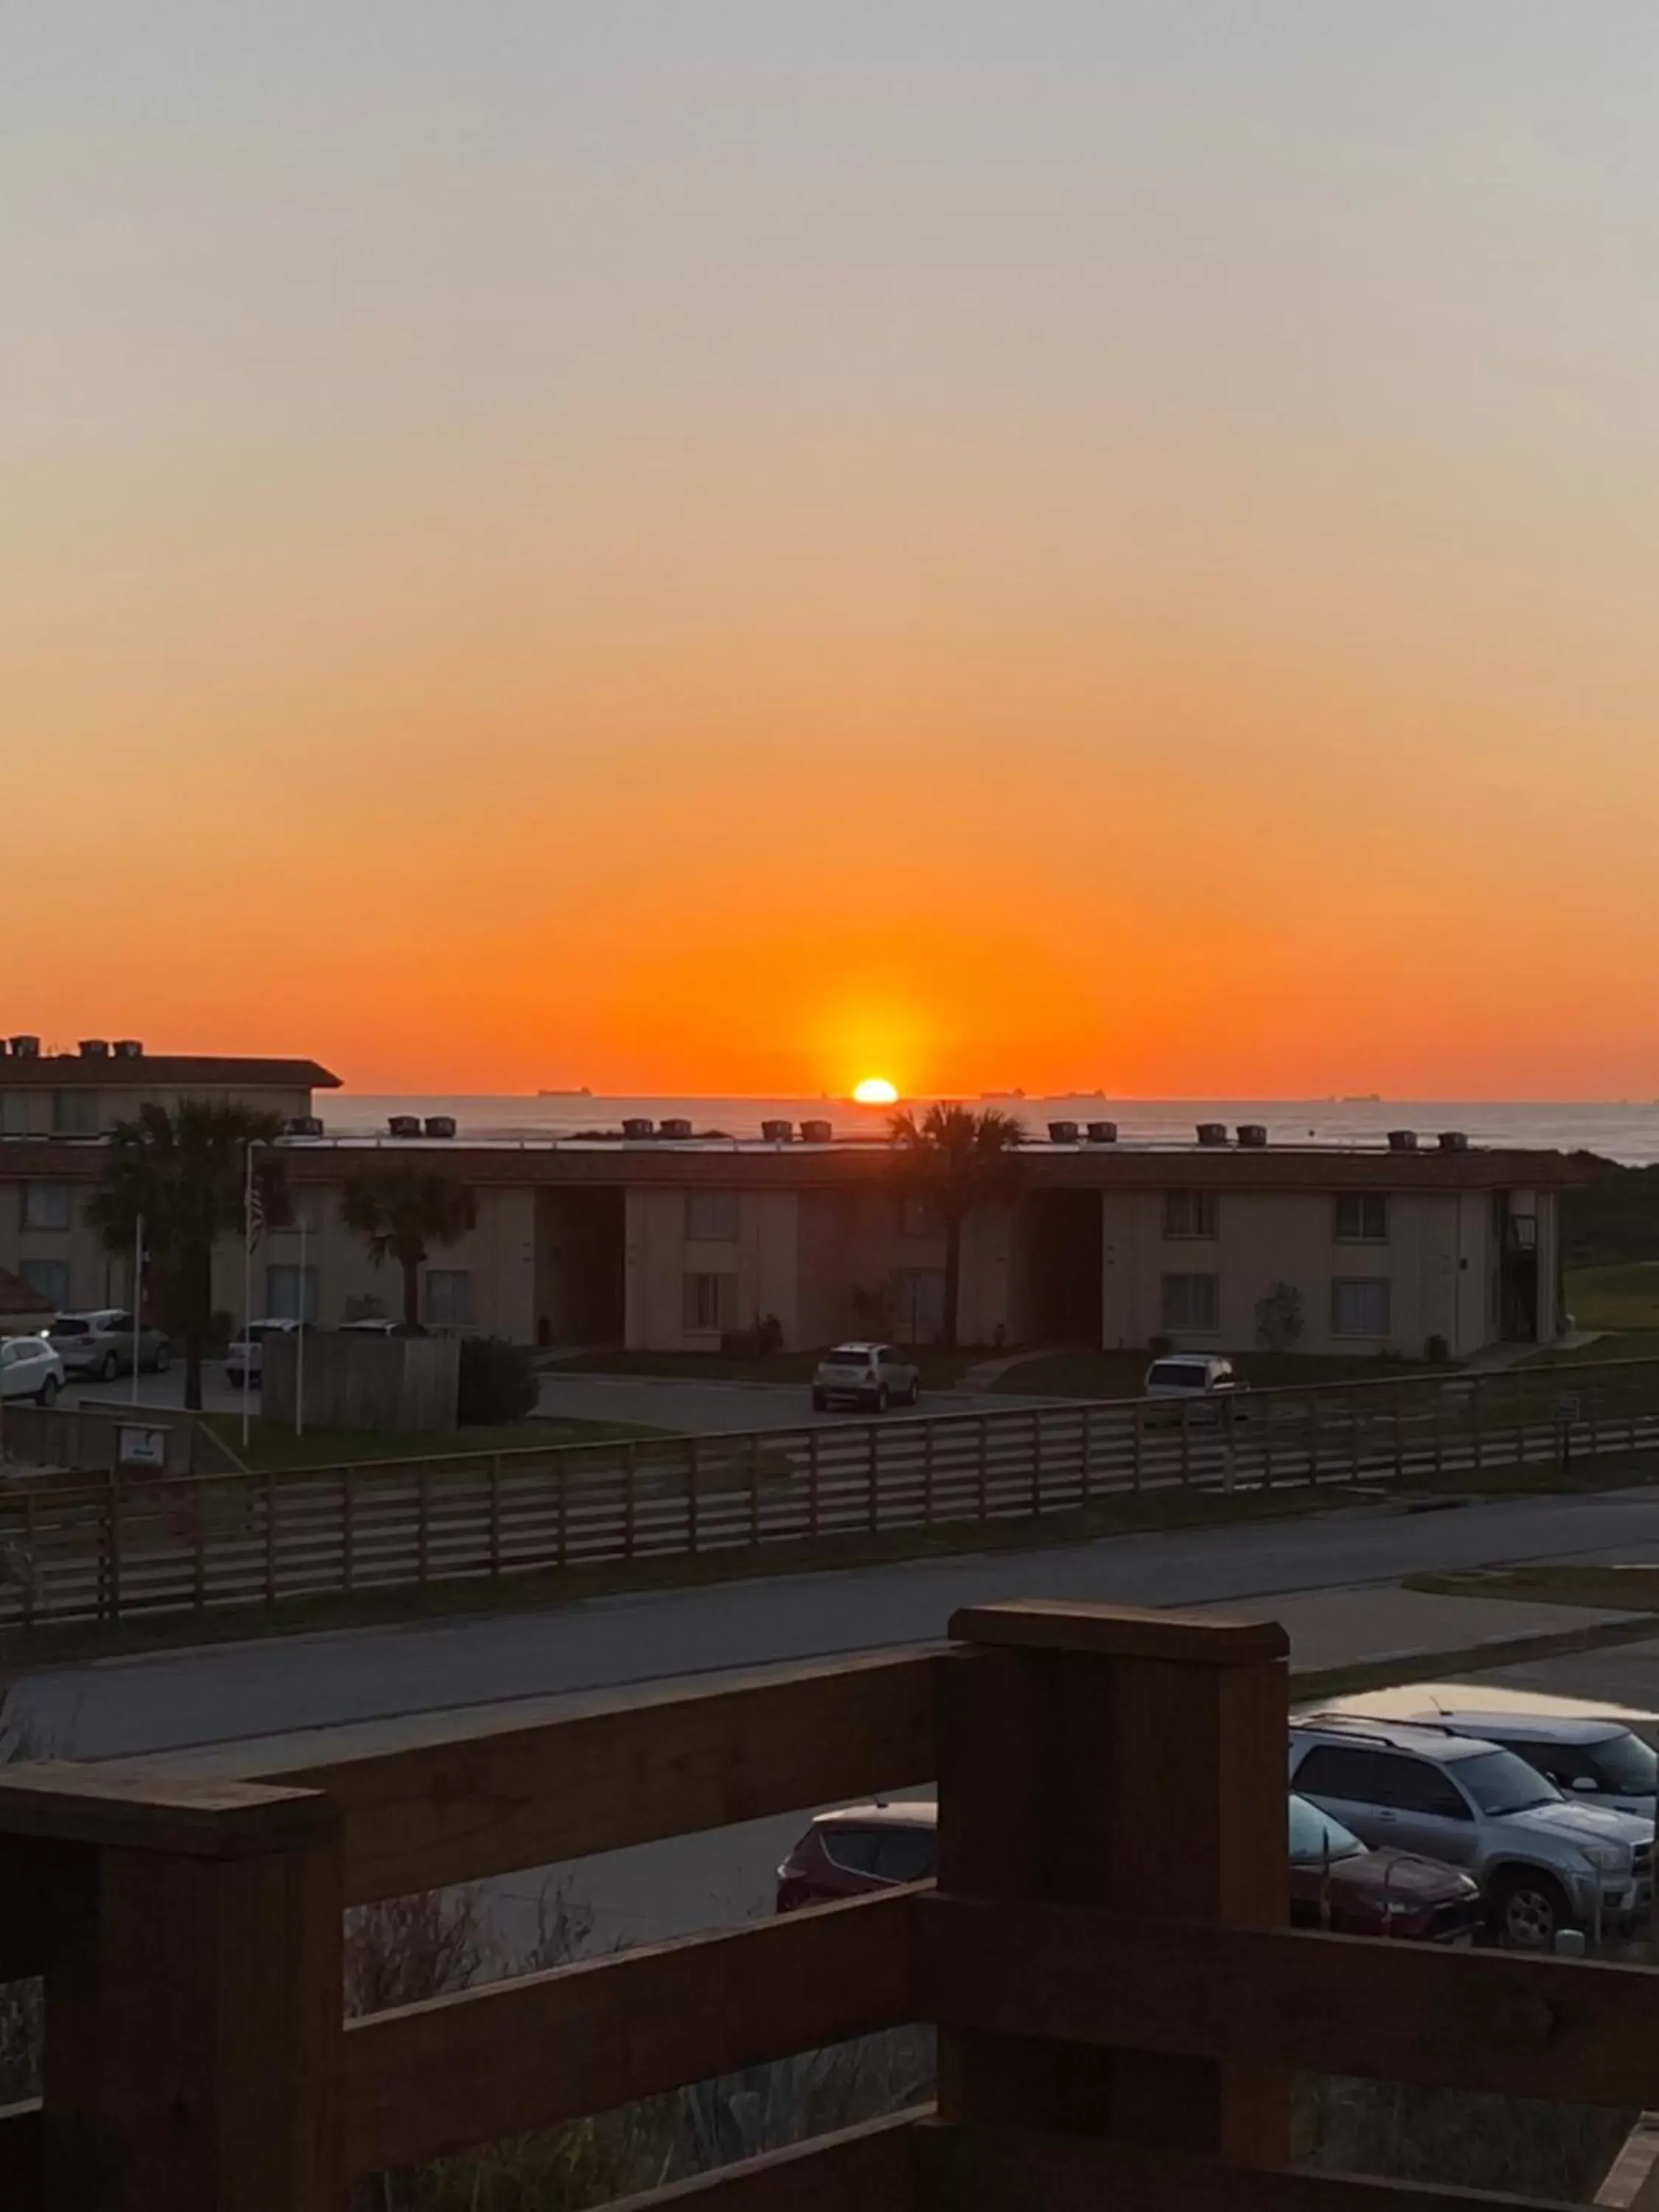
(1085, 554)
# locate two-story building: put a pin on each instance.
(665, 1243)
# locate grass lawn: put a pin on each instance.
(1625, 1298)
(273, 1446)
(940, 1369)
(1083, 1374)
(1620, 1590)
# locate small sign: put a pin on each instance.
(1567, 1412)
(137, 1447)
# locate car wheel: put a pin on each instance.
(47, 1394)
(1528, 1910)
(108, 1368)
(913, 1393)
(163, 1358)
(882, 1399)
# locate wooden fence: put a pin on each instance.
(1120, 2001)
(118, 1548)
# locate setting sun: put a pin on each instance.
(875, 1091)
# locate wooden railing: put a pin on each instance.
(1119, 2000)
(118, 1548)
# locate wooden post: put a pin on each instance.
(812, 1482)
(422, 1522)
(1088, 1452)
(198, 1540)
(1398, 1434)
(1181, 1411)
(1267, 1405)
(30, 1575)
(114, 1546)
(984, 1467)
(270, 1536)
(875, 1474)
(1057, 1787)
(1353, 1436)
(1475, 1417)
(1139, 1418)
(691, 1495)
(348, 1532)
(630, 1492)
(1036, 1464)
(190, 1938)
(928, 1476)
(562, 1466)
(1312, 1404)
(754, 1490)
(496, 1514)
(1519, 1419)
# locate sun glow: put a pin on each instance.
(875, 1091)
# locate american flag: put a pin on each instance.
(256, 1208)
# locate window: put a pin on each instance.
(14, 1114)
(49, 1277)
(1192, 1302)
(853, 1849)
(1362, 1216)
(448, 1297)
(1415, 1785)
(1314, 1834)
(1500, 1783)
(1191, 1213)
(907, 1854)
(918, 1304)
(1341, 1770)
(287, 1299)
(45, 1206)
(711, 1303)
(919, 1217)
(1359, 1307)
(75, 1113)
(711, 1217)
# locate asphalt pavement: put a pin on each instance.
(724, 1408)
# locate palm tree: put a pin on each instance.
(956, 1160)
(183, 1172)
(399, 1211)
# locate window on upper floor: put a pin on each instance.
(75, 1113)
(45, 1206)
(1191, 1213)
(1362, 1216)
(711, 1217)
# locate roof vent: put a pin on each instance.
(637, 1129)
(26, 1048)
(1454, 1140)
(1252, 1135)
(676, 1128)
(1062, 1132)
(817, 1133)
(1103, 1132)
(1402, 1140)
(777, 1132)
(129, 1048)
(93, 1047)
(302, 1125)
(440, 1125)
(404, 1125)
(1212, 1133)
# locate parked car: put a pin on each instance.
(1334, 1880)
(873, 1375)
(1545, 1861)
(1337, 1883)
(1194, 1385)
(100, 1343)
(1602, 1760)
(29, 1368)
(243, 1359)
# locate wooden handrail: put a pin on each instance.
(435, 2078)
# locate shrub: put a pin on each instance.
(498, 1382)
(763, 1341)
(1279, 1316)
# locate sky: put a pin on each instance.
(736, 545)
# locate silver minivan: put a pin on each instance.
(1600, 1761)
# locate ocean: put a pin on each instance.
(1627, 1130)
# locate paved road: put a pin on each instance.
(718, 1408)
(258, 1689)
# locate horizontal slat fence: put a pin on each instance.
(1106, 2034)
(109, 1549)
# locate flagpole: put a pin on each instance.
(137, 1299)
(300, 1343)
(247, 1297)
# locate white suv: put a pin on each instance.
(244, 1356)
(29, 1368)
(873, 1375)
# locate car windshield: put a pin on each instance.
(71, 1328)
(1498, 1782)
(849, 1355)
(1624, 1765)
(1178, 1374)
(1314, 1833)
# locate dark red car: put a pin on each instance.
(1335, 1883)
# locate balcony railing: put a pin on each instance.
(1119, 2002)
